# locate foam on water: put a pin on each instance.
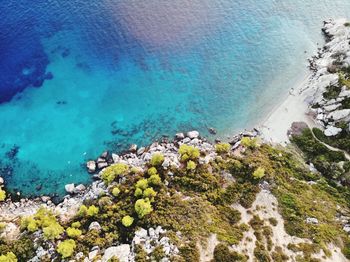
(131, 71)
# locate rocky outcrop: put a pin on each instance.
(121, 252)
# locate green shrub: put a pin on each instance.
(248, 142)
(154, 180)
(191, 165)
(113, 171)
(223, 254)
(82, 210)
(9, 257)
(259, 173)
(142, 184)
(149, 193)
(53, 231)
(92, 211)
(115, 191)
(2, 195)
(222, 148)
(66, 248)
(127, 221)
(76, 224)
(138, 192)
(152, 171)
(332, 92)
(143, 207)
(157, 159)
(73, 232)
(188, 153)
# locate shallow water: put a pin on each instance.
(78, 77)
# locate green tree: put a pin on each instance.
(249, 142)
(113, 171)
(154, 180)
(191, 165)
(127, 221)
(115, 191)
(92, 211)
(9, 257)
(142, 184)
(188, 153)
(2, 195)
(152, 171)
(149, 193)
(259, 173)
(157, 159)
(66, 248)
(138, 192)
(143, 207)
(53, 231)
(222, 148)
(73, 232)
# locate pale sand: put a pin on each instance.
(293, 109)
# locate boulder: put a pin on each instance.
(192, 134)
(133, 148)
(212, 130)
(180, 136)
(141, 151)
(95, 226)
(69, 188)
(346, 228)
(332, 131)
(102, 165)
(311, 220)
(79, 189)
(91, 166)
(121, 252)
(1, 180)
(339, 114)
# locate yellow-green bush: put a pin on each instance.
(127, 221)
(73, 232)
(2, 194)
(157, 159)
(66, 248)
(143, 207)
(259, 173)
(222, 148)
(191, 165)
(115, 191)
(113, 171)
(9, 257)
(188, 153)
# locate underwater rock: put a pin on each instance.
(192, 134)
(69, 188)
(91, 166)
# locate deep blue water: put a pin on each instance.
(78, 77)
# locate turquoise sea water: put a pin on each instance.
(78, 77)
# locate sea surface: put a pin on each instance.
(78, 77)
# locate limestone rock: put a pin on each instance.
(121, 252)
(339, 114)
(91, 166)
(332, 131)
(95, 226)
(311, 220)
(69, 188)
(193, 134)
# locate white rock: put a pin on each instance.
(1, 180)
(142, 233)
(95, 226)
(79, 189)
(346, 228)
(121, 252)
(93, 254)
(332, 131)
(69, 188)
(312, 220)
(339, 114)
(180, 136)
(331, 107)
(91, 166)
(115, 158)
(192, 134)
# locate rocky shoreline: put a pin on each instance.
(328, 112)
